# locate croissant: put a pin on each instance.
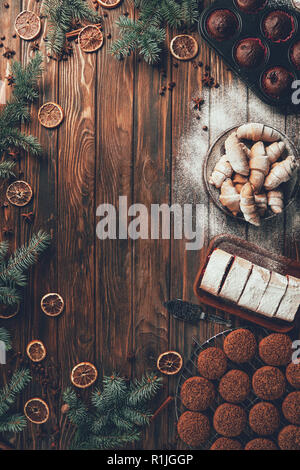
(254, 131)
(259, 166)
(275, 201)
(274, 151)
(280, 172)
(239, 181)
(248, 205)
(222, 170)
(229, 197)
(261, 202)
(237, 155)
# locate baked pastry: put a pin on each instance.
(289, 438)
(250, 53)
(234, 387)
(276, 349)
(224, 443)
(277, 81)
(193, 428)
(261, 443)
(236, 279)
(290, 303)
(264, 419)
(250, 6)
(215, 271)
(229, 420)
(197, 393)
(212, 363)
(255, 288)
(291, 407)
(295, 55)
(292, 374)
(222, 171)
(273, 295)
(268, 383)
(279, 26)
(240, 345)
(222, 24)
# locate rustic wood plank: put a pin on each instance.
(42, 176)
(76, 213)
(114, 117)
(151, 185)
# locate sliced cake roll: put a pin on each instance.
(290, 303)
(255, 288)
(215, 271)
(236, 279)
(273, 295)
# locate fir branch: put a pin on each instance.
(6, 171)
(117, 415)
(13, 272)
(9, 296)
(4, 245)
(62, 14)
(5, 338)
(26, 79)
(8, 393)
(13, 423)
(146, 34)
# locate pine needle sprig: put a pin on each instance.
(15, 112)
(5, 338)
(147, 33)
(62, 14)
(13, 271)
(117, 414)
(6, 171)
(13, 422)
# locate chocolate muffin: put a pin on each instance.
(293, 374)
(229, 420)
(250, 6)
(264, 419)
(277, 82)
(289, 438)
(268, 383)
(261, 444)
(295, 55)
(197, 393)
(235, 386)
(222, 24)
(276, 349)
(278, 26)
(193, 428)
(212, 363)
(223, 443)
(240, 345)
(250, 53)
(291, 408)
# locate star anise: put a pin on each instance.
(10, 79)
(198, 102)
(208, 81)
(8, 53)
(29, 217)
(35, 46)
(7, 231)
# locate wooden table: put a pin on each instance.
(121, 137)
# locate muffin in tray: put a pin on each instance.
(222, 24)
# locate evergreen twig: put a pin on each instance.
(12, 422)
(117, 415)
(146, 34)
(62, 15)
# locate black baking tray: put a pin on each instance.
(250, 26)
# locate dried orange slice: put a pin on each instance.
(36, 351)
(109, 3)
(84, 375)
(169, 363)
(19, 193)
(90, 38)
(9, 311)
(50, 115)
(27, 25)
(36, 410)
(52, 304)
(184, 47)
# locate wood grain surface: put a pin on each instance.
(120, 137)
